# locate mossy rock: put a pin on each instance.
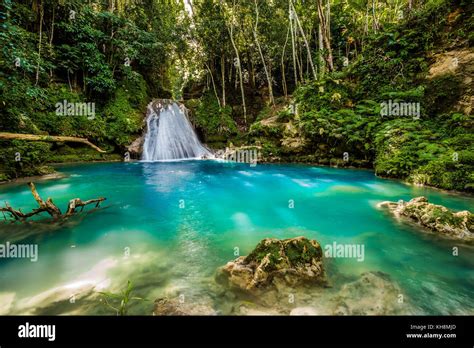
(275, 263)
(435, 218)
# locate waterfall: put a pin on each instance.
(169, 134)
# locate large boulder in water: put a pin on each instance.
(293, 261)
(435, 218)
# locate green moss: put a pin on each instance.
(445, 217)
(301, 252)
(211, 119)
(296, 251)
(262, 250)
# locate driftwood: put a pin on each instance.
(48, 138)
(49, 207)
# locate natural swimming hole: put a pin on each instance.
(167, 227)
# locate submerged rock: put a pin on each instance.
(436, 218)
(273, 263)
(374, 293)
(304, 311)
(167, 306)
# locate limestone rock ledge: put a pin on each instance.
(435, 218)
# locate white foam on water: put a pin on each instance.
(304, 182)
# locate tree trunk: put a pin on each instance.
(284, 86)
(267, 73)
(40, 41)
(374, 17)
(293, 46)
(320, 49)
(239, 67)
(51, 42)
(48, 138)
(223, 79)
(308, 51)
(213, 85)
(326, 35)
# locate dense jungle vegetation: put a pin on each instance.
(303, 80)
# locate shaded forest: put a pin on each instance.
(302, 80)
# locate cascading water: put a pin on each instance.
(170, 135)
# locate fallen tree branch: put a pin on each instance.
(49, 207)
(76, 202)
(48, 138)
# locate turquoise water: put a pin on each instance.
(168, 226)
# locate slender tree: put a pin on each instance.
(267, 72)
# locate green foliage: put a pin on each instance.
(426, 153)
(120, 56)
(24, 158)
(212, 119)
(257, 129)
(81, 59)
(123, 114)
(120, 302)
